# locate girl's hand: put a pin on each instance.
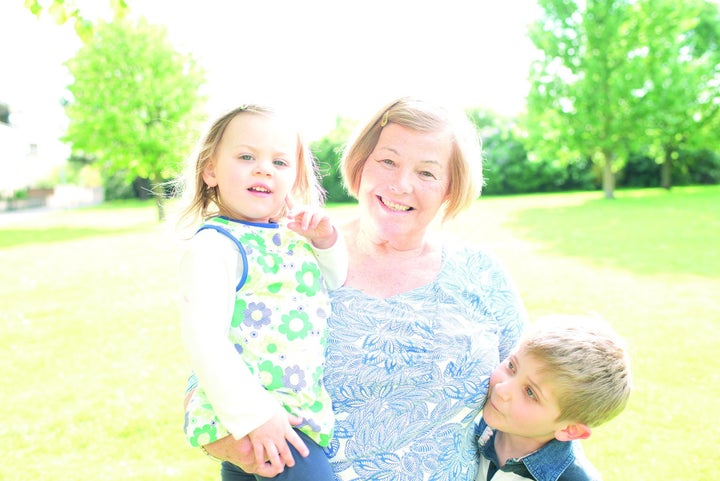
(270, 443)
(312, 224)
(240, 451)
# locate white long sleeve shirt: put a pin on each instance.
(210, 271)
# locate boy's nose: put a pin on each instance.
(502, 390)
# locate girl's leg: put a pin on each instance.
(316, 467)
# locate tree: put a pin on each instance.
(327, 152)
(622, 76)
(63, 11)
(682, 91)
(135, 103)
(582, 102)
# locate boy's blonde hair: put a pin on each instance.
(465, 160)
(202, 202)
(585, 362)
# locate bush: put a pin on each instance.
(508, 170)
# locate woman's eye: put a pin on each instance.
(428, 174)
(387, 161)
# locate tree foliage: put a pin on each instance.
(328, 151)
(135, 102)
(580, 104)
(681, 95)
(507, 167)
(616, 76)
(64, 11)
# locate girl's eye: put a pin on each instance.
(280, 162)
(246, 157)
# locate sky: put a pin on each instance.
(320, 58)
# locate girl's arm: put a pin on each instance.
(326, 240)
(208, 276)
(333, 262)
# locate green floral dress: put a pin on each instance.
(279, 327)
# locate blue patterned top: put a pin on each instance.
(408, 374)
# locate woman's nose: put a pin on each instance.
(401, 184)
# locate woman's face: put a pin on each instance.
(405, 180)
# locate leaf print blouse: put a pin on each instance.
(408, 374)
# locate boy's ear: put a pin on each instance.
(208, 175)
(573, 431)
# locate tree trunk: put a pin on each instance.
(160, 200)
(608, 177)
(666, 170)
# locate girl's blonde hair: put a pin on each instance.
(202, 202)
(585, 362)
(465, 159)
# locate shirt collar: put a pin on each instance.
(545, 464)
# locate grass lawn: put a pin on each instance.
(94, 372)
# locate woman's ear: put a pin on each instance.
(208, 174)
(573, 431)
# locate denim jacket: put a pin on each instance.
(555, 461)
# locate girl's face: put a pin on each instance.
(405, 181)
(254, 167)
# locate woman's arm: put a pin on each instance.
(240, 452)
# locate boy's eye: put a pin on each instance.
(530, 393)
(511, 366)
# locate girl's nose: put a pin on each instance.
(262, 167)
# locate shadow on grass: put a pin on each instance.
(666, 232)
(12, 237)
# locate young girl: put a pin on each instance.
(254, 293)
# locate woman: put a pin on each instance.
(419, 324)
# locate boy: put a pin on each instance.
(568, 374)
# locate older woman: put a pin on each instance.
(420, 323)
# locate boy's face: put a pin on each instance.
(521, 400)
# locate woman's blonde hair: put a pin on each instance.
(585, 362)
(465, 160)
(202, 202)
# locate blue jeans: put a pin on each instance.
(315, 467)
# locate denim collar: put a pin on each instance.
(546, 464)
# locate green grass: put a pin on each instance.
(94, 372)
